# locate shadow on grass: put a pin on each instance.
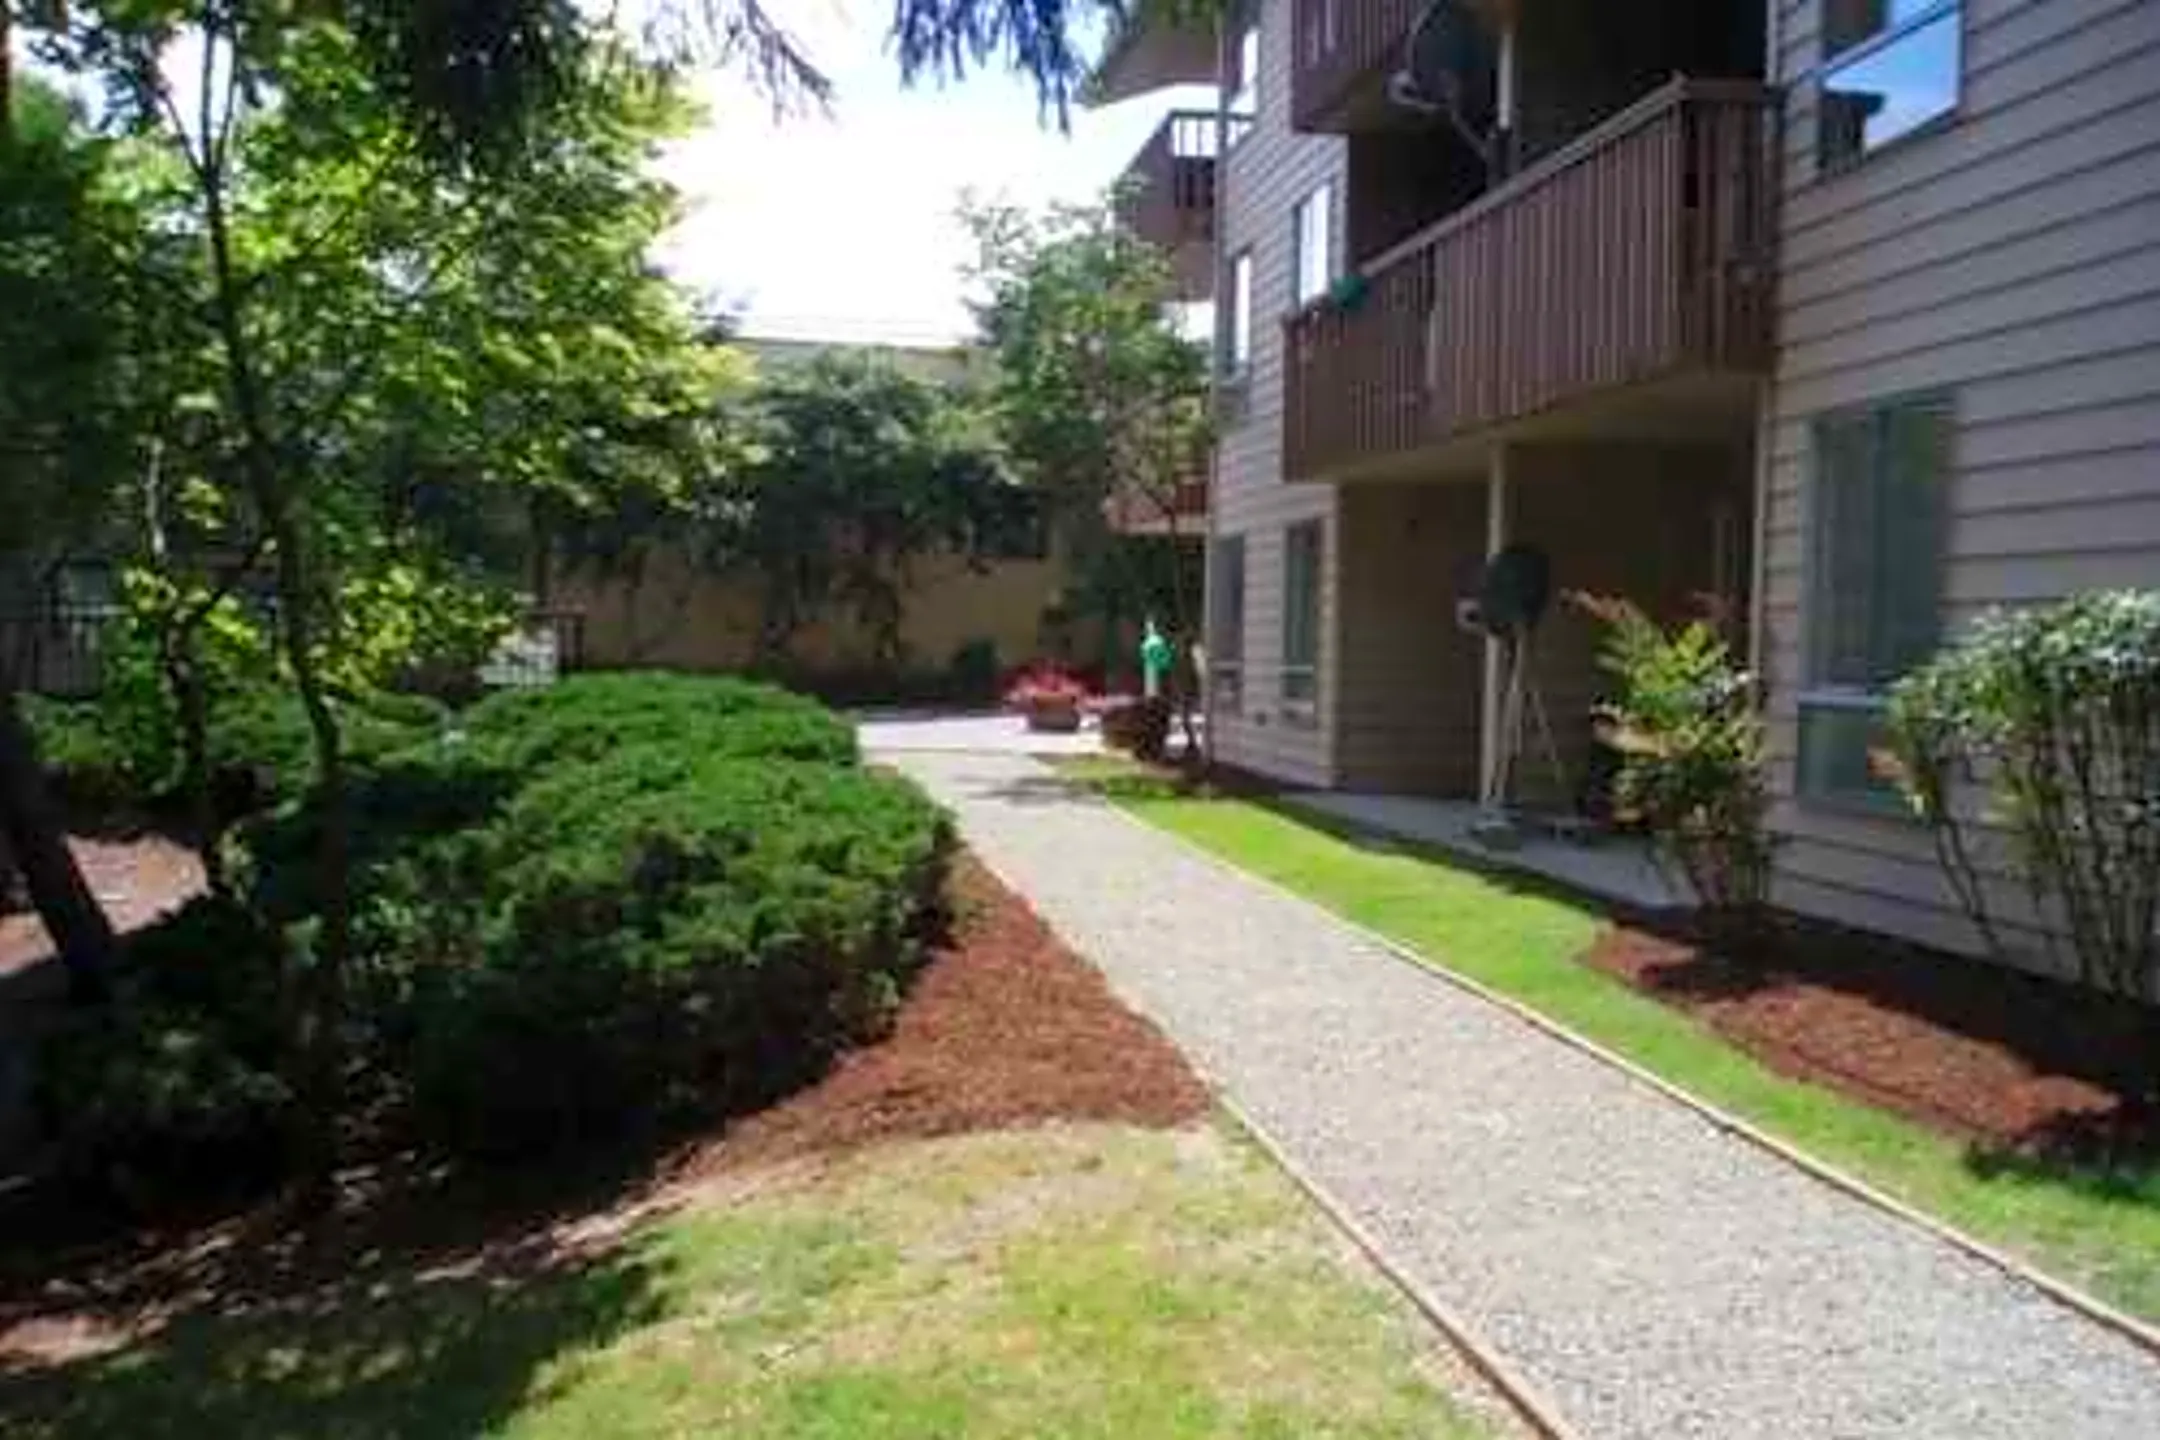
(415, 1353)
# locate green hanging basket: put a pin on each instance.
(1349, 291)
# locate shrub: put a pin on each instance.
(617, 899)
(1139, 726)
(173, 1088)
(590, 716)
(1691, 747)
(122, 751)
(974, 671)
(91, 768)
(2055, 714)
(659, 931)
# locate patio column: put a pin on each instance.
(1497, 518)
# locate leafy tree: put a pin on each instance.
(1099, 400)
(865, 470)
(359, 190)
(854, 472)
(65, 236)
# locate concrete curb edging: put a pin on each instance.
(2138, 1332)
(1525, 1399)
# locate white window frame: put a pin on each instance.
(1238, 318)
(1300, 675)
(1822, 698)
(1245, 100)
(1226, 623)
(1312, 245)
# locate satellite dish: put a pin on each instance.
(1451, 67)
(1515, 591)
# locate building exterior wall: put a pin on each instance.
(1660, 525)
(1408, 685)
(675, 617)
(1262, 180)
(2010, 260)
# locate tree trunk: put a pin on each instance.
(183, 677)
(31, 825)
(315, 993)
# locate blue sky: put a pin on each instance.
(843, 227)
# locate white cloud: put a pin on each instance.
(843, 227)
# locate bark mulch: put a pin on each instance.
(1004, 1028)
(2012, 1062)
(135, 878)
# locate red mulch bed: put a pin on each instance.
(1004, 1028)
(2009, 1061)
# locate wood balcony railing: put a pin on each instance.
(1342, 47)
(1130, 512)
(1642, 249)
(1168, 192)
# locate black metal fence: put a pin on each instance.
(60, 650)
(57, 650)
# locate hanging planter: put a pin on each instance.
(1348, 292)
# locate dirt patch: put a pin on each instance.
(1005, 1028)
(1980, 1052)
(136, 879)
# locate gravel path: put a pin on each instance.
(1654, 1277)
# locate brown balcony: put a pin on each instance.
(1167, 196)
(1345, 52)
(1638, 253)
(1182, 512)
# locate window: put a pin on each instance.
(1237, 334)
(1226, 622)
(1893, 66)
(1312, 250)
(1301, 621)
(1245, 94)
(1874, 606)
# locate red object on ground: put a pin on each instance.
(2010, 1061)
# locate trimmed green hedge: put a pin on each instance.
(589, 717)
(627, 896)
(174, 1087)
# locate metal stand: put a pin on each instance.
(1497, 824)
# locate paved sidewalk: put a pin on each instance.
(1654, 1277)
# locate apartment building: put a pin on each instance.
(1838, 318)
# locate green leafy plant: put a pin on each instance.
(2053, 714)
(172, 1090)
(621, 898)
(1691, 744)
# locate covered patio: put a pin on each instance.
(1618, 869)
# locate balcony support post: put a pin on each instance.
(1498, 500)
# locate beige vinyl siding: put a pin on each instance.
(1407, 699)
(2012, 261)
(1264, 177)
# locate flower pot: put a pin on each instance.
(1060, 716)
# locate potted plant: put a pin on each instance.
(1050, 699)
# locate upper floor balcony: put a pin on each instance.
(1620, 281)
(1167, 196)
(1346, 50)
(1181, 511)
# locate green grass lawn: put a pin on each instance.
(2099, 1231)
(1093, 1281)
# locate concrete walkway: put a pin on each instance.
(1652, 1276)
